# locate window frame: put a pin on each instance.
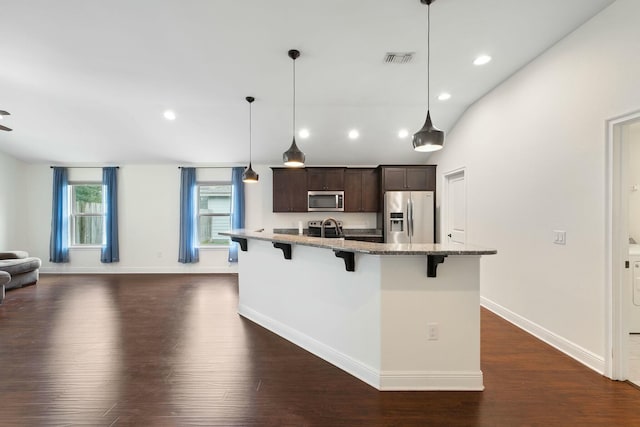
(200, 184)
(72, 215)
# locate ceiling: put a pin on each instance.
(87, 82)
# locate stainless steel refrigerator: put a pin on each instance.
(409, 217)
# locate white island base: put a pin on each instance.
(374, 322)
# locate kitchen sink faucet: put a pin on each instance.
(335, 224)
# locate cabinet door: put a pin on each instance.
(334, 179)
(421, 178)
(315, 179)
(352, 191)
(416, 178)
(323, 179)
(280, 198)
(370, 190)
(361, 190)
(409, 178)
(298, 188)
(393, 179)
(289, 190)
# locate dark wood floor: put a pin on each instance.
(170, 350)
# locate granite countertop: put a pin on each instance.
(364, 247)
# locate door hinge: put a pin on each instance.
(626, 264)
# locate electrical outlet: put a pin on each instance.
(433, 332)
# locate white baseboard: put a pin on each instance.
(582, 355)
(431, 381)
(139, 270)
(352, 366)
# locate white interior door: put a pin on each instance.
(455, 215)
(619, 268)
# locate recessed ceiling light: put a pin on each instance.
(403, 133)
(304, 133)
(444, 96)
(169, 115)
(354, 134)
(482, 59)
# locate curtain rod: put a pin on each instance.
(212, 167)
(85, 167)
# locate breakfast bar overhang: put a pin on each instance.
(372, 309)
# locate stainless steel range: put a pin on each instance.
(332, 228)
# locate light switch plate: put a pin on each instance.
(559, 237)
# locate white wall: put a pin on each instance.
(534, 149)
(12, 209)
(149, 217)
(634, 178)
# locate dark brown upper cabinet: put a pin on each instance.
(408, 178)
(325, 179)
(363, 187)
(289, 190)
(361, 190)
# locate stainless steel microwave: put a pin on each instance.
(319, 201)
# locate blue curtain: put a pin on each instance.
(59, 243)
(237, 208)
(110, 250)
(188, 251)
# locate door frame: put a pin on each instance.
(444, 207)
(616, 245)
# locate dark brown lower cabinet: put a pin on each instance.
(366, 239)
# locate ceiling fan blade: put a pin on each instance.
(4, 113)
(5, 128)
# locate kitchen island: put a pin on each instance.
(396, 316)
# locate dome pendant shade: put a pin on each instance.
(293, 157)
(249, 175)
(428, 138)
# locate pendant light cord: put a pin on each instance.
(250, 133)
(428, 56)
(294, 99)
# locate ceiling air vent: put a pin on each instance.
(398, 57)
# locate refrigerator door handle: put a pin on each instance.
(408, 219)
(412, 227)
(410, 204)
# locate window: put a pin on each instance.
(87, 215)
(214, 213)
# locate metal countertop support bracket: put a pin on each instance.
(349, 259)
(242, 242)
(286, 249)
(432, 264)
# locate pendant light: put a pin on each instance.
(249, 175)
(293, 157)
(428, 138)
